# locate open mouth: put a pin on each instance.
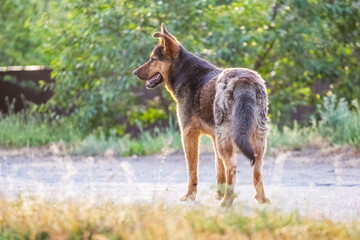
(154, 81)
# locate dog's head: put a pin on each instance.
(156, 70)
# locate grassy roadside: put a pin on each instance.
(146, 144)
(31, 129)
(37, 219)
(27, 130)
(339, 124)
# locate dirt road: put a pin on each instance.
(316, 182)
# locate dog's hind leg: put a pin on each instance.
(220, 173)
(190, 139)
(225, 148)
(260, 147)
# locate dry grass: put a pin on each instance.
(37, 219)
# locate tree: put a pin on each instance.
(295, 45)
(18, 43)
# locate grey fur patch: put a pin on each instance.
(246, 83)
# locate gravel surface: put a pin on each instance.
(317, 182)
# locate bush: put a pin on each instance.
(19, 45)
(286, 138)
(339, 123)
(33, 129)
(303, 49)
(296, 46)
(147, 144)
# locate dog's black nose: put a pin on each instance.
(135, 72)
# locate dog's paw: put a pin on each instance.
(262, 200)
(226, 202)
(218, 195)
(188, 197)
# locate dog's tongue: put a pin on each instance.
(148, 82)
(152, 81)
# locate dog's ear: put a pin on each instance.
(168, 42)
(163, 29)
(166, 32)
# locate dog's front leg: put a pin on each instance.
(190, 140)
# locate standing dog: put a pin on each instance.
(229, 105)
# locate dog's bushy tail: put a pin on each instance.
(243, 118)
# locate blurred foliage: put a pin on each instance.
(18, 44)
(338, 123)
(295, 138)
(28, 129)
(100, 218)
(303, 49)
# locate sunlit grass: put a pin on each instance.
(340, 121)
(32, 129)
(168, 140)
(338, 124)
(145, 144)
(37, 219)
(295, 138)
(29, 129)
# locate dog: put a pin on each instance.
(229, 105)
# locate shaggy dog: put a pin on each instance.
(229, 105)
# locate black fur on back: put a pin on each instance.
(243, 118)
(190, 72)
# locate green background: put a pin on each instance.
(303, 49)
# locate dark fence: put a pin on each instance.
(19, 85)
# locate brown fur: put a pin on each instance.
(209, 100)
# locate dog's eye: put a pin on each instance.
(152, 59)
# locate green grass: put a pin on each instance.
(38, 219)
(164, 141)
(146, 144)
(295, 138)
(32, 129)
(338, 123)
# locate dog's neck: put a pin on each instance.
(189, 73)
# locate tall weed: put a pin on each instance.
(146, 144)
(33, 129)
(340, 122)
(295, 138)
